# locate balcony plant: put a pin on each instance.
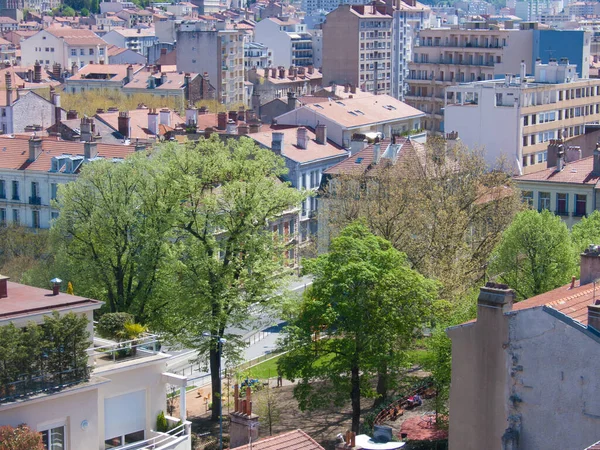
(131, 332)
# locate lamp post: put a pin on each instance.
(220, 342)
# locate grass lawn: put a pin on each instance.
(264, 370)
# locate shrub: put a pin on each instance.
(161, 423)
(20, 438)
(111, 325)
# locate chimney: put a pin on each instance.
(256, 103)
(243, 129)
(55, 285)
(302, 138)
(241, 116)
(596, 168)
(231, 127)
(222, 120)
(85, 128)
(376, 152)
(129, 74)
(273, 72)
(74, 69)
(243, 426)
(9, 90)
(90, 149)
(281, 72)
(254, 127)
(346, 88)
(191, 116)
(37, 72)
(291, 101)
(123, 122)
(71, 114)
(311, 70)
(523, 72)
(4, 286)
(233, 116)
(277, 142)
(555, 146)
(494, 296)
(560, 158)
(573, 153)
(35, 148)
(165, 117)
(202, 111)
(153, 121)
(590, 265)
(163, 78)
(57, 108)
(57, 71)
(321, 134)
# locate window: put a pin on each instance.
(101, 51)
(91, 51)
(73, 52)
(53, 190)
(2, 189)
(81, 52)
(562, 204)
(15, 190)
(15, 216)
(54, 438)
(35, 220)
(54, 215)
(527, 197)
(2, 217)
(580, 204)
(543, 200)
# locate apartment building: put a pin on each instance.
(139, 40)
(357, 47)
(218, 53)
(290, 43)
(65, 46)
(111, 403)
(445, 57)
(516, 117)
(257, 55)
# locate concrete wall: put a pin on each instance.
(572, 44)
(341, 47)
(127, 57)
(199, 51)
(519, 47)
(268, 33)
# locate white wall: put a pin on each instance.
(267, 33)
(43, 40)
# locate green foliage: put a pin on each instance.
(368, 304)
(161, 423)
(21, 250)
(267, 408)
(112, 325)
(20, 438)
(57, 349)
(584, 233)
(534, 254)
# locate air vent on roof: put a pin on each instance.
(318, 106)
(353, 113)
(359, 111)
(358, 160)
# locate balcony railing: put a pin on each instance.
(28, 385)
(106, 352)
(35, 200)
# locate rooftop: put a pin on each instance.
(292, 440)
(138, 122)
(23, 301)
(174, 80)
(576, 172)
(75, 36)
(112, 72)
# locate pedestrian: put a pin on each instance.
(279, 378)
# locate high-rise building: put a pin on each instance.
(357, 47)
(288, 40)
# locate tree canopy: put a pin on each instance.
(534, 254)
(363, 309)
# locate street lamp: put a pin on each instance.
(220, 342)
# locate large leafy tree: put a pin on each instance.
(112, 234)
(439, 204)
(363, 309)
(534, 254)
(228, 261)
(585, 232)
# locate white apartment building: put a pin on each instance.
(220, 53)
(445, 57)
(517, 116)
(288, 40)
(31, 169)
(257, 55)
(138, 40)
(65, 46)
(119, 403)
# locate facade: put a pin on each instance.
(29, 178)
(219, 53)
(519, 366)
(378, 116)
(118, 404)
(516, 119)
(446, 57)
(257, 55)
(571, 44)
(288, 40)
(101, 76)
(357, 48)
(138, 40)
(135, 17)
(65, 46)
(273, 83)
(118, 55)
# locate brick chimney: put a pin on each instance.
(35, 148)
(4, 286)
(232, 115)
(291, 101)
(123, 122)
(555, 148)
(590, 265)
(90, 150)
(494, 296)
(243, 129)
(55, 285)
(222, 120)
(243, 427)
(321, 134)
(302, 138)
(277, 142)
(129, 74)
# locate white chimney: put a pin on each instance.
(231, 127)
(153, 122)
(165, 117)
(191, 116)
(302, 138)
(523, 72)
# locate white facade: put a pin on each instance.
(289, 42)
(257, 55)
(137, 40)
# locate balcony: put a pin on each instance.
(106, 353)
(35, 200)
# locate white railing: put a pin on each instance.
(163, 441)
(145, 345)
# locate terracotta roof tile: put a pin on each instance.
(76, 36)
(293, 440)
(579, 172)
(118, 71)
(138, 122)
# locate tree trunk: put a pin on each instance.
(382, 384)
(215, 378)
(355, 396)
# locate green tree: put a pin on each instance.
(111, 325)
(366, 304)
(534, 254)
(229, 261)
(585, 232)
(113, 230)
(20, 438)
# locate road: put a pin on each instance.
(262, 334)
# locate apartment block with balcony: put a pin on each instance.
(107, 400)
(515, 118)
(139, 40)
(218, 53)
(446, 57)
(288, 40)
(357, 48)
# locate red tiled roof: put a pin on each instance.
(292, 440)
(14, 152)
(138, 122)
(76, 36)
(579, 172)
(25, 300)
